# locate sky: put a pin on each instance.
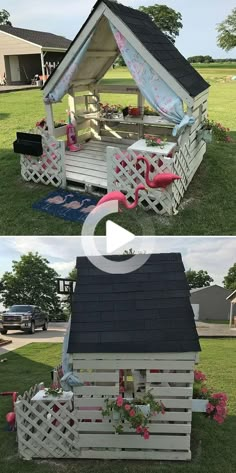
(200, 17)
(213, 254)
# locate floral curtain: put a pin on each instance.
(160, 96)
(63, 85)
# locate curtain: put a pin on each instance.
(159, 95)
(63, 85)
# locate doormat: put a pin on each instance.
(70, 206)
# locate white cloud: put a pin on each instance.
(214, 254)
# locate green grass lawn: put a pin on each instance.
(208, 206)
(213, 446)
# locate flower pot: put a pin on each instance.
(144, 408)
(205, 135)
(199, 405)
(116, 415)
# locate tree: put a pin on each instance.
(168, 20)
(230, 279)
(198, 279)
(32, 281)
(73, 274)
(227, 32)
(201, 59)
(4, 18)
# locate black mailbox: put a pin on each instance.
(28, 143)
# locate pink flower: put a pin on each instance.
(221, 410)
(119, 401)
(199, 376)
(158, 141)
(127, 407)
(122, 389)
(146, 434)
(139, 429)
(210, 408)
(218, 419)
(132, 413)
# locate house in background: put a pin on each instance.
(25, 53)
(232, 299)
(212, 302)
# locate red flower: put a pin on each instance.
(119, 401)
(146, 434)
(127, 407)
(132, 413)
(139, 429)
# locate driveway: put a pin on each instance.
(215, 330)
(54, 334)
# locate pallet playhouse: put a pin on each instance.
(129, 334)
(163, 77)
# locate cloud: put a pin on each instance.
(213, 254)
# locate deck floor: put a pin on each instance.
(88, 167)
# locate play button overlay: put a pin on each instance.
(116, 236)
(115, 240)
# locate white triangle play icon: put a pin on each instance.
(116, 236)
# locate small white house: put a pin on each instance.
(162, 77)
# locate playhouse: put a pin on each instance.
(111, 141)
(129, 334)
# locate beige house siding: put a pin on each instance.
(10, 45)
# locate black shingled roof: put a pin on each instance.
(145, 311)
(41, 38)
(160, 47)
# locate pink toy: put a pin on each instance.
(70, 133)
(160, 180)
(117, 195)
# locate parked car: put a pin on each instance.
(23, 317)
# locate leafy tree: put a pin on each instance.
(227, 32)
(198, 279)
(230, 279)
(168, 20)
(4, 18)
(200, 59)
(32, 281)
(73, 274)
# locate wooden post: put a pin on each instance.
(141, 102)
(50, 119)
(72, 107)
(231, 315)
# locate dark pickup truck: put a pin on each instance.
(23, 317)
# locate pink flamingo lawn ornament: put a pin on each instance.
(161, 180)
(117, 195)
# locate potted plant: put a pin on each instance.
(214, 405)
(155, 141)
(53, 390)
(216, 408)
(200, 392)
(136, 413)
(211, 129)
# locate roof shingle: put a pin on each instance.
(41, 38)
(148, 310)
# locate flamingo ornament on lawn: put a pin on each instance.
(117, 195)
(161, 180)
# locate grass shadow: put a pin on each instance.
(4, 116)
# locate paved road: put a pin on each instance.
(54, 334)
(56, 331)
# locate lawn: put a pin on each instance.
(208, 206)
(212, 445)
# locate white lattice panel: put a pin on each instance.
(46, 429)
(48, 168)
(124, 174)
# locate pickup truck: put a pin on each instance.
(23, 317)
